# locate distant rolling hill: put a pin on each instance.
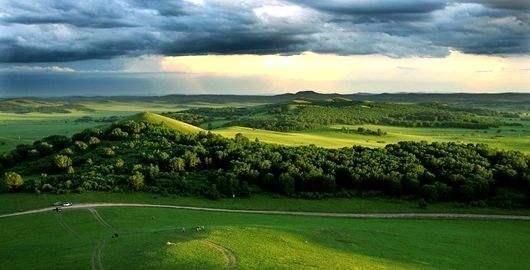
(166, 121)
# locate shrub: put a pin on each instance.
(107, 151)
(136, 180)
(118, 134)
(62, 161)
(177, 164)
(81, 145)
(13, 180)
(93, 141)
(119, 163)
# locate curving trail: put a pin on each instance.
(95, 262)
(289, 213)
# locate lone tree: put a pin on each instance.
(13, 180)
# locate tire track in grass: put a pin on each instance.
(65, 226)
(96, 263)
(99, 218)
(230, 257)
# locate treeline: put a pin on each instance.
(189, 117)
(142, 156)
(363, 131)
(302, 116)
(108, 119)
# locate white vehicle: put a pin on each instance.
(66, 204)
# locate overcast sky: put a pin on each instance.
(142, 47)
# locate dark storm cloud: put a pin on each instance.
(363, 7)
(60, 30)
(505, 4)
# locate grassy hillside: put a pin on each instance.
(328, 140)
(44, 117)
(508, 138)
(173, 124)
(22, 106)
(154, 239)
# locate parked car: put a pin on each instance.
(66, 204)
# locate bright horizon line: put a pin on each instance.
(277, 94)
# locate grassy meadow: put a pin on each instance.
(17, 128)
(154, 239)
(11, 203)
(25, 128)
(509, 138)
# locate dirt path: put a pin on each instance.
(230, 257)
(290, 213)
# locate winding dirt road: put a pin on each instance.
(288, 213)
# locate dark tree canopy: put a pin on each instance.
(154, 158)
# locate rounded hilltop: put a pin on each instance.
(166, 121)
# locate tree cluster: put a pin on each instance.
(154, 158)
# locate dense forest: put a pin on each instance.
(303, 115)
(130, 156)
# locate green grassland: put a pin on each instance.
(17, 128)
(12, 202)
(509, 138)
(166, 121)
(25, 128)
(154, 239)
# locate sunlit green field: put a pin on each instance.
(26, 128)
(509, 138)
(154, 239)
